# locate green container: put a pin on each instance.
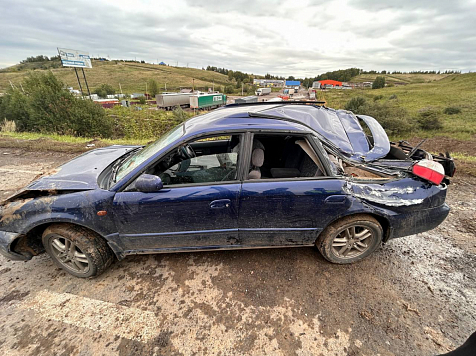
(207, 101)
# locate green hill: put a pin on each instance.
(400, 78)
(455, 90)
(131, 75)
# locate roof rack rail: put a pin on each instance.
(279, 103)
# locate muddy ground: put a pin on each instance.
(415, 296)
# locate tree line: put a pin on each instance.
(341, 75)
(40, 58)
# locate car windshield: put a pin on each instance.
(144, 154)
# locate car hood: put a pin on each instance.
(82, 172)
(341, 127)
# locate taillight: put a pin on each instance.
(429, 170)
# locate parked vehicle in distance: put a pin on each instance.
(169, 101)
(263, 91)
(207, 100)
(246, 99)
(243, 176)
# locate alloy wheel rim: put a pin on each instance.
(69, 254)
(352, 241)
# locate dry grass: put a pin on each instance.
(8, 126)
(403, 78)
(132, 77)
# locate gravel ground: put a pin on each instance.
(415, 296)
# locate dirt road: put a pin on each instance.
(415, 296)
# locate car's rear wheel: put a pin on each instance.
(350, 239)
(77, 250)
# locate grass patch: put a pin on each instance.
(464, 157)
(31, 136)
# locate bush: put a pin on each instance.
(393, 97)
(378, 97)
(143, 124)
(153, 87)
(429, 119)
(393, 118)
(229, 89)
(179, 114)
(452, 110)
(378, 83)
(355, 104)
(142, 100)
(104, 90)
(47, 107)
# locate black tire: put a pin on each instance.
(332, 240)
(72, 247)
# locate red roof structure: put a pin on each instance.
(331, 82)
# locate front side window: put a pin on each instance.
(209, 160)
(144, 154)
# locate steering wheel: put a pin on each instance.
(187, 152)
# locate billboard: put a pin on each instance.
(74, 58)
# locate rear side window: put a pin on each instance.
(283, 156)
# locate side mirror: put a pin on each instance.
(148, 183)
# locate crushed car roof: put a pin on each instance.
(342, 128)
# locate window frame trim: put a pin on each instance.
(238, 180)
(310, 140)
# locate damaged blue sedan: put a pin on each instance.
(243, 176)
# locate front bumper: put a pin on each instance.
(418, 221)
(6, 239)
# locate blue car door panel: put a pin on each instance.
(290, 212)
(179, 217)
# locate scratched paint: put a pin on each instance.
(383, 195)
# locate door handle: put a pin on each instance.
(220, 204)
(336, 199)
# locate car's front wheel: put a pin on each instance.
(350, 239)
(77, 250)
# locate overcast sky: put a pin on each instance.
(300, 38)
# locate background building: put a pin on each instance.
(328, 83)
(295, 84)
(275, 83)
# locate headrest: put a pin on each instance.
(255, 174)
(257, 157)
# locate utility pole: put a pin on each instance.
(213, 89)
(146, 88)
(120, 88)
(165, 86)
(193, 84)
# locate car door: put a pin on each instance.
(288, 211)
(194, 215)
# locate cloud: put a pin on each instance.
(301, 38)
